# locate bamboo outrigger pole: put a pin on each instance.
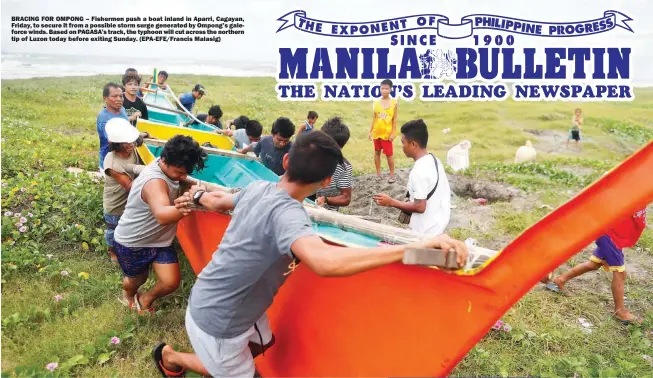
(392, 235)
(209, 150)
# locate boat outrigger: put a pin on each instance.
(404, 320)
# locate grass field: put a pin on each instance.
(59, 290)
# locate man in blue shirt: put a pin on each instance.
(113, 99)
(188, 99)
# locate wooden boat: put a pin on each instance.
(163, 106)
(166, 118)
(165, 131)
(402, 320)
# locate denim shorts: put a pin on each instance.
(136, 261)
(112, 223)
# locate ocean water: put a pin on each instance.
(25, 66)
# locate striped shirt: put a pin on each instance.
(342, 179)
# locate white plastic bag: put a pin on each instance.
(458, 156)
(525, 153)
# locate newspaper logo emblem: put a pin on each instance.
(436, 64)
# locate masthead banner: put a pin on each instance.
(445, 29)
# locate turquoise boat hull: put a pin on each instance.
(238, 173)
(166, 117)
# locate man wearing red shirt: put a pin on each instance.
(609, 254)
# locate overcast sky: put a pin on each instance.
(260, 42)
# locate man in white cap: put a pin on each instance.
(121, 165)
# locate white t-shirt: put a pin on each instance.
(421, 181)
(241, 138)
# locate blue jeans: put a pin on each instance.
(112, 223)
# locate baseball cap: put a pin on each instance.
(119, 130)
(199, 88)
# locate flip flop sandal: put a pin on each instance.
(626, 322)
(554, 287)
(128, 303)
(157, 355)
(142, 311)
(391, 181)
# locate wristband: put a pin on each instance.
(197, 196)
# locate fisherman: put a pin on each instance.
(237, 123)
(429, 207)
(212, 118)
(188, 99)
(132, 71)
(250, 135)
(226, 317)
(272, 148)
(134, 105)
(161, 78)
(338, 193)
(113, 99)
(308, 123)
(146, 229)
(121, 166)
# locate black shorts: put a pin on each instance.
(575, 135)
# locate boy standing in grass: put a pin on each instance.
(609, 254)
(384, 128)
(576, 123)
(226, 318)
(308, 123)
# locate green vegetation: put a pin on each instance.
(59, 289)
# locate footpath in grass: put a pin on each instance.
(60, 314)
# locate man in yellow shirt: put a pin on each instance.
(384, 128)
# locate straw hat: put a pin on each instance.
(119, 130)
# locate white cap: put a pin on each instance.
(119, 130)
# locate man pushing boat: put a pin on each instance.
(147, 227)
(269, 234)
